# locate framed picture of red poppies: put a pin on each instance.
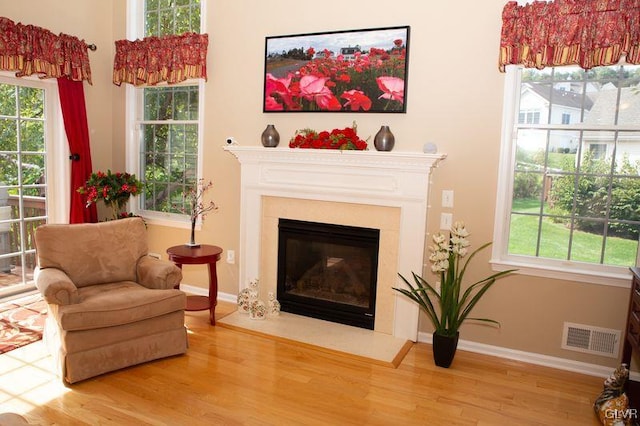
(357, 71)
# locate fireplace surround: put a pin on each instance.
(384, 190)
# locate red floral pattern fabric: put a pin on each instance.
(28, 50)
(152, 60)
(588, 33)
(21, 322)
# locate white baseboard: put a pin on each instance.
(199, 291)
(466, 345)
(532, 358)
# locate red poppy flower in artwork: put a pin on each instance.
(328, 102)
(311, 85)
(279, 87)
(271, 104)
(356, 100)
(313, 88)
(393, 88)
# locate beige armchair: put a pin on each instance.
(110, 304)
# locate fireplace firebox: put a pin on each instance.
(328, 271)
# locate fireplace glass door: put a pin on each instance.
(328, 271)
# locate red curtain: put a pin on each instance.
(74, 114)
(588, 33)
(28, 50)
(172, 58)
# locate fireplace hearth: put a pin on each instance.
(328, 271)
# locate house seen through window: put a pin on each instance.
(575, 171)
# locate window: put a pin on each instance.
(168, 119)
(164, 17)
(570, 192)
(529, 117)
(598, 151)
(27, 123)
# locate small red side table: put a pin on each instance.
(199, 255)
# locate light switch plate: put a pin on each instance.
(447, 198)
(446, 220)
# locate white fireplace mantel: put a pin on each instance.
(393, 179)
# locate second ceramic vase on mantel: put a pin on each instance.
(384, 139)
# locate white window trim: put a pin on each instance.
(57, 157)
(547, 268)
(135, 30)
(58, 163)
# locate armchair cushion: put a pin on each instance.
(110, 250)
(114, 304)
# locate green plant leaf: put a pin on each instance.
(452, 308)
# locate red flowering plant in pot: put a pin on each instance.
(343, 139)
(114, 189)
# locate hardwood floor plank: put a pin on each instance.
(229, 377)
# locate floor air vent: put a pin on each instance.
(591, 340)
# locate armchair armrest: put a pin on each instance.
(156, 273)
(56, 286)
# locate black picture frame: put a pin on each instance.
(356, 71)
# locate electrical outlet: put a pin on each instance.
(231, 257)
(446, 220)
(447, 198)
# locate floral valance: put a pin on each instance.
(152, 60)
(588, 33)
(28, 50)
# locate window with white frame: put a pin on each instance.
(569, 196)
(168, 118)
(34, 174)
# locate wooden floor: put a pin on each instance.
(232, 378)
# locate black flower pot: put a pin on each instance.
(444, 349)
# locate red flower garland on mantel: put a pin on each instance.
(342, 139)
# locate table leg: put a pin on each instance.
(213, 292)
(195, 303)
